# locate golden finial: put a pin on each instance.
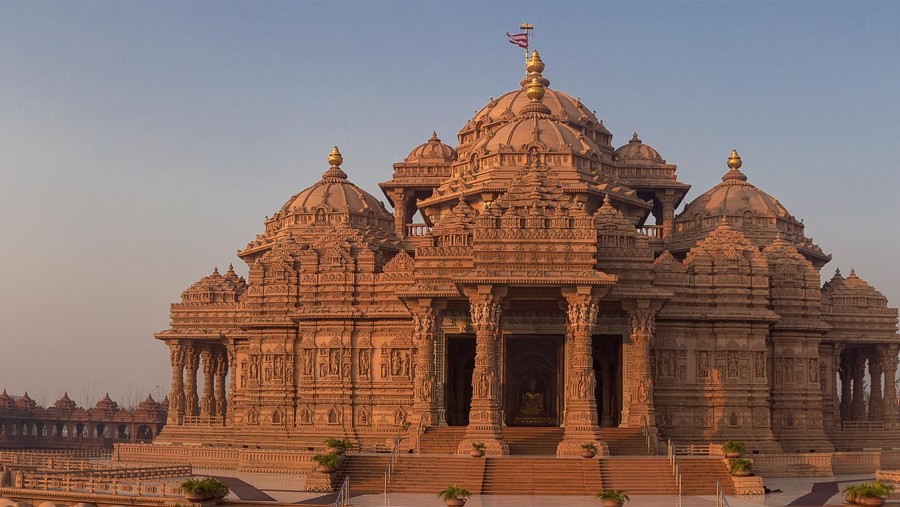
(535, 90)
(534, 65)
(335, 159)
(734, 161)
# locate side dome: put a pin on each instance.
(747, 208)
(65, 402)
(215, 288)
(432, 151)
(107, 404)
(334, 192)
(637, 153)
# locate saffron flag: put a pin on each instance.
(519, 39)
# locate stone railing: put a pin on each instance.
(793, 465)
(122, 472)
(857, 462)
(651, 231)
(204, 420)
(247, 460)
(697, 450)
(865, 426)
(117, 487)
(888, 475)
(417, 230)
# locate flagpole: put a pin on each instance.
(527, 28)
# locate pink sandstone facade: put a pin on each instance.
(534, 292)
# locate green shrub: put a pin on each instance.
(617, 495)
(590, 446)
(740, 465)
(875, 489)
(330, 460)
(454, 492)
(478, 446)
(734, 446)
(339, 443)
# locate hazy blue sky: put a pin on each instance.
(143, 143)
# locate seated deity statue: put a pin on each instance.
(532, 400)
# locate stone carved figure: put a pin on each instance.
(532, 400)
(484, 385)
(760, 364)
(365, 361)
(307, 362)
(703, 364)
(334, 361)
(306, 415)
(254, 367)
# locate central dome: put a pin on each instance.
(509, 106)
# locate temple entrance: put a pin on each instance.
(607, 355)
(460, 365)
(533, 387)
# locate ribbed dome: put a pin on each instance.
(107, 403)
(432, 151)
(561, 105)
(334, 192)
(735, 196)
(638, 153)
(537, 130)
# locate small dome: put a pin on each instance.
(638, 153)
(433, 151)
(334, 192)
(65, 402)
(6, 400)
(735, 196)
(107, 403)
(852, 291)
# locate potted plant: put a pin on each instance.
(195, 490)
(477, 449)
(337, 445)
(868, 493)
(217, 489)
(613, 497)
(589, 450)
(454, 495)
(327, 462)
(733, 449)
(741, 467)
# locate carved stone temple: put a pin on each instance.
(534, 275)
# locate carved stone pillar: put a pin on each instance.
(641, 324)
(425, 321)
(207, 402)
(400, 213)
(846, 373)
(231, 350)
(176, 394)
(221, 371)
(581, 424)
(858, 405)
(668, 213)
(876, 404)
(889, 360)
(485, 414)
(191, 362)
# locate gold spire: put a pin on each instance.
(535, 90)
(734, 160)
(335, 159)
(534, 65)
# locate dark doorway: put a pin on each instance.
(460, 365)
(607, 352)
(533, 380)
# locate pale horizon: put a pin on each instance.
(142, 144)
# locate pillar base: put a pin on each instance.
(491, 437)
(572, 446)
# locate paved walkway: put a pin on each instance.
(287, 488)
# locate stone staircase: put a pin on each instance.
(624, 441)
(532, 440)
(541, 476)
(639, 475)
(442, 440)
(366, 472)
(413, 474)
(699, 476)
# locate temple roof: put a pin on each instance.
(638, 153)
(431, 151)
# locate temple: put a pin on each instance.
(532, 276)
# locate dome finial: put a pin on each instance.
(335, 159)
(535, 90)
(534, 65)
(635, 138)
(734, 174)
(734, 160)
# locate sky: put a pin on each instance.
(143, 143)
